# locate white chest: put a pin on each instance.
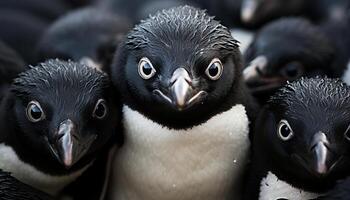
(28, 174)
(204, 162)
(271, 188)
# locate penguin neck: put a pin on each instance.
(237, 94)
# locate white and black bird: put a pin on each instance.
(302, 141)
(186, 110)
(57, 119)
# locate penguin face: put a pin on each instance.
(178, 67)
(286, 50)
(307, 130)
(63, 110)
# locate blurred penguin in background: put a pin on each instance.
(255, 13)
(285, 50)
(78, 36)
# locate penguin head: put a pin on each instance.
(258, 12)
(307, 129)
(82, 38)
(181, 62)
(63, 111)
(286, 49)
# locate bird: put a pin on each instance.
(78, 37)
(283, 50)
(11, 64)
(256, 13)
(186, 110)
(47, 11)
(57, 119)
(300, 147)
(12, 189)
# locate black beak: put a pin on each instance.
(181, 91)
(69, 147)
(320, 154)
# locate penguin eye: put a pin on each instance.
(146, 69)
(347, 134)
(34, 112)
(292, 70)
(100, 110)
(284, 131)
(214, 70)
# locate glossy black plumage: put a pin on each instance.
(12, 189)
(313, 107)
(78, 36)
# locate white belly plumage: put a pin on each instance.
(204, 162)
(271, 188)
(28, 174)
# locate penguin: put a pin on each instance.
(79, 37)
(283, 50)
(186, 109)
(12, 189)
(58, 119)
(255, 13)
(11, 64)
(301, 143)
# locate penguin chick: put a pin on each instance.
(55, 122)
(11, 64)
(185, 109)
(12, 189)
(80, 37)
(255, 13)
(284, 50)
(302, 146)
